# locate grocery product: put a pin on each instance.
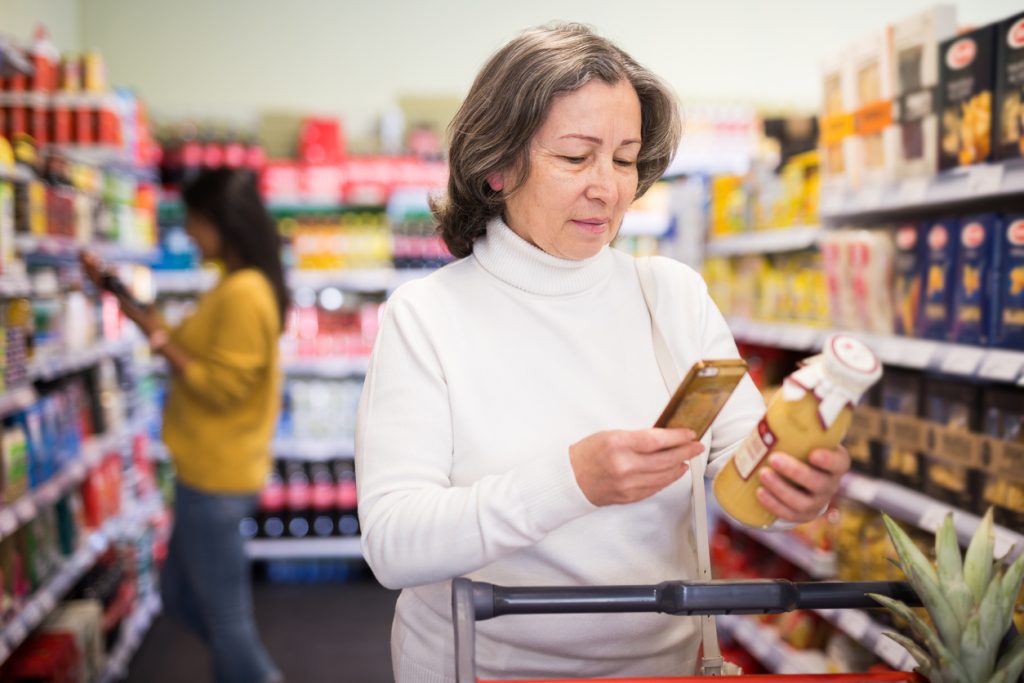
(907, 266)
(838, 278)
(812, 410)
(1003, 422)
(939, 262)
(966, 85)
(728, 206)
(973, 303)
(952, 464)
(870, 266)
(836, 119)
(865, 455)
(916, 71)
(1008, 320)
(1009, 109)
(15, 461)
(901, 399)
(873, 152)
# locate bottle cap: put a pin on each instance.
(850, 363)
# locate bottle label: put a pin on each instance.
(754, 449)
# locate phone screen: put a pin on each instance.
(702, 394)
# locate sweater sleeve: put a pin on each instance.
(223, 373)
(417, 527)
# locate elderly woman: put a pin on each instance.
(504, 431)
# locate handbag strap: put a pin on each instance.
(711, 662)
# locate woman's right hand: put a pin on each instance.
(92, 267)
(618, 467)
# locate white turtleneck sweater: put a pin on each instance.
(482, 376)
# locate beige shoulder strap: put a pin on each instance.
(711, 664)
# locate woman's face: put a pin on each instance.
(206, 237)
(582, 174)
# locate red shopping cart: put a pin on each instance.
(474, 601)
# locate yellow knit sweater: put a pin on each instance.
(221, 412)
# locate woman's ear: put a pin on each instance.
(496, 181)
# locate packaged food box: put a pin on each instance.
(966, 85)
(901, 400)
(916, 75)
(1009, 109)
(836, 123)
(973, 300)
(1008, 321)
(953, 462)
(1003, 422)
(871, 263)
(939, 262)
(907, 267)
(873, 156)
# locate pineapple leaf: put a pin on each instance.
(947, 553)
(1010, 588)
(941, 654)
(977, 654)
(1010, 665)
(915, 650)
(978, 561)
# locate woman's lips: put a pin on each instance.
(592, 225)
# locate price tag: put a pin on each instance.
(860, 489)
(962, 360)
(1001, 366)
(855, 623)
(889, 650)
(932, 518)
(987, 179)
(914, 191)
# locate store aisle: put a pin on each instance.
(325, 633)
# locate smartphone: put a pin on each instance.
(113, 284)
(702, 394)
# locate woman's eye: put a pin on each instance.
(575, 160)
(625, 162)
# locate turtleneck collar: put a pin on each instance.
(513, 260)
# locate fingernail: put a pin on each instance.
(689, 434)
(762, 495)
(766, 475)
(777, 461)
(818, 458)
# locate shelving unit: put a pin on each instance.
(326, 368)
(764, 643)
(17, 174)
(67, 248)
(15, 286)
(765, 241)
(924, 512)
(184, 282)
(870, 634)
(819, 564)
(16, 399)
(313, 450)
(341, 548)
(997, 365)
(951, 188)
(133, 631)
(45, 369)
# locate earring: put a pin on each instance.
(496, 181)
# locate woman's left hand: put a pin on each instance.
(795, 491)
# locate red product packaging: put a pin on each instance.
(46, 658)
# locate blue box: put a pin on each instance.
(937, 273)
(907, 278)
(1008, 322)
(975, 282)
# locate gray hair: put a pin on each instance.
(509, 101)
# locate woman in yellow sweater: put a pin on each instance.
(222, 407)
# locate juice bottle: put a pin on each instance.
(812, 410)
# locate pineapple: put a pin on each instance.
(970, 601)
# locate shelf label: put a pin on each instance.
(932, 518)
(1001, 366)
(987, 179)
(962, 360)
(914, 191)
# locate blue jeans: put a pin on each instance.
(205, 584)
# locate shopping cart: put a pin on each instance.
(474, 601)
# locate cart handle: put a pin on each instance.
(680, 597)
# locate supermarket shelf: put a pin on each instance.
(311, 450)
(170, 282)
(957, 186)
(15, 173)
(67, 363)
(869, 633)
(766, 241)
(345, 548)
(12, 287)
(365, 280)
(23, 510)
(764, 643)
(927, 513)
(133, 632)
(996, 365)
(637, 223)
(16, 399)
(69, 248)
(819, 564)
(327, 368)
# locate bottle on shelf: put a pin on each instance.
(297, 499)
(345, 488)
(322, 499)
(271, 510)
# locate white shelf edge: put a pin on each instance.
(768, 241)
(70, 362)
(341, 548)
(327, 368)
(915, 508)
(960, 360)
(69, 247)
(135, 629)
(311, 450)
(859, 625)
(181, 282)
(768, 648)
(16, 400)
(819, 564)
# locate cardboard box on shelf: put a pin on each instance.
(1008, 320)
(973, 303)
(836, 142)
(937, 283)
(873, 158)
(966, 85)
(1009, 110)
(916, 75)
